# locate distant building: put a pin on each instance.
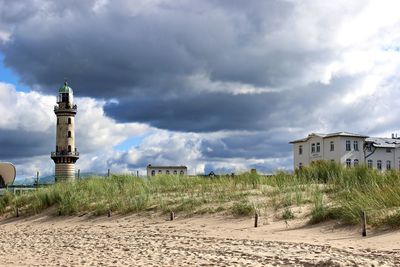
(166, 170)
(348, 149)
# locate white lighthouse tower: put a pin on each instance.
(66, 153)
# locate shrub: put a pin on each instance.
(287, 214)
(242, 208)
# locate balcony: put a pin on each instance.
(74, 154)
(67, 109)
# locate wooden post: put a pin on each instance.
(17, 212)
(109, 213)
(256, 220)
(137, 173)
(37, 178)
(364, 223)
(172, 216)
(59, 213)
(79, 174)
(108, 173)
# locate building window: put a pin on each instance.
(355, 163)
(388, 165)
(348, 145)
(69, 149)
(153, 172)
(300, 149)
(355, 145)
(379, 164)
(69, 134)
(388, 150)
(167, 172)
(159, 171)
(69, 120)
(318, 147)
(348, 163)
(369, 162)
(312, 148)
(175, 172)
(181, 173)
(332, 146)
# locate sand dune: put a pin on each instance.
(200, 241)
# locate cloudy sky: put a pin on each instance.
(214, 85)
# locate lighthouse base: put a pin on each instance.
(65, 172)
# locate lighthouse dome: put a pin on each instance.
(65, 89)
(65, 94)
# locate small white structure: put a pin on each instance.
(166, 170)
(348, 149)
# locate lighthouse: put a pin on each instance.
(66, 153)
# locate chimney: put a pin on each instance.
(392, 135)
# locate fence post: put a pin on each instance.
(37, 178)
(137, 173)
(364, 223)
(256, 220)
(79, 174)
(108, 173)
(172, 216)
(17, 212)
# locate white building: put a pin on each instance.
(348, 149)
(166, 170)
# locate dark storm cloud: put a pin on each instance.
(128, 50)
(201, 113)
(209, 112)
(22, 144)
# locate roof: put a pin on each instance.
(383, 142)
(343, 134)
(166, 167)
(346, 134)
(65, 89)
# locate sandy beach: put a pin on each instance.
(198, 241)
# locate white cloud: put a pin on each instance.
(29, 111)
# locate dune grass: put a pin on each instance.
(324, 191)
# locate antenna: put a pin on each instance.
(7, 174)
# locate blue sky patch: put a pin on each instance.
(8, 76)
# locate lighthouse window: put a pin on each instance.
(69, 133)
(69, 120)
(69, 148)
(58, 121)
(65, 98)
